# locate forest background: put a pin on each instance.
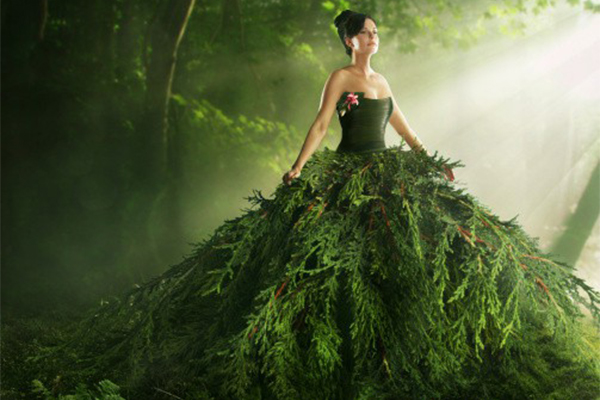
(132, 129)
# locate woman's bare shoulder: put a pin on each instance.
(381, 79)
(344, 69)
(337, 79)
(384, 85)
(340, 73)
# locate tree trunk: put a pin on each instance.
(231, 30)
(569, 245)
(43, 17)
(151, 164)
(165, 36)
(126, 41)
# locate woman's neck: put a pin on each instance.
(362, 65)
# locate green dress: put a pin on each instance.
(370, 276)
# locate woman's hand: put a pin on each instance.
(291, 174)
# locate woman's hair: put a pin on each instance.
(349, 24)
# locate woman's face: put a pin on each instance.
(367, 40)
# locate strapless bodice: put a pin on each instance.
(363, 122)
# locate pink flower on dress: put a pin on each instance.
(351, 99)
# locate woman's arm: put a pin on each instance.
(400, 124)
(329, 97)
(398, 121)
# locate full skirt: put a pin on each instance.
(370, 276)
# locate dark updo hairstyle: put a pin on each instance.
(349, 24)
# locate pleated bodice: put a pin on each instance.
(363, 122)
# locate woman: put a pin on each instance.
(359, 36)
(370, 276)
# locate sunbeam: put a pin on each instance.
(522, 115)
